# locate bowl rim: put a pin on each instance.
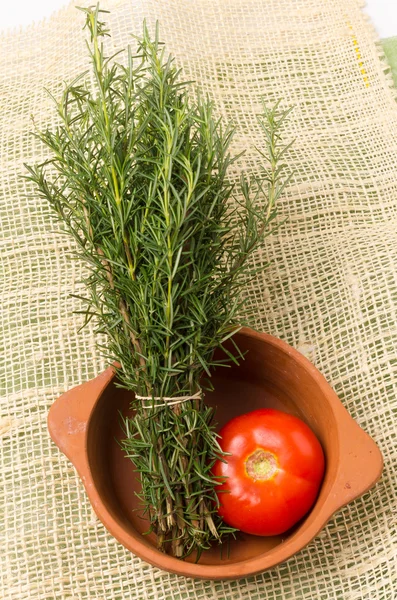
(71, 436)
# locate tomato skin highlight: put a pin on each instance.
(274, 471)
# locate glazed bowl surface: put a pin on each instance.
(85, 425)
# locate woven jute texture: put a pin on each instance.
(330, 290)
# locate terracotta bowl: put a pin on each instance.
(85, 425)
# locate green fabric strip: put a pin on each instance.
(390, 49)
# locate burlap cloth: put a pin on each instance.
(331, 289)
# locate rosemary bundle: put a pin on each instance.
(138, 176)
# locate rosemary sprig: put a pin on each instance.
(138, 176)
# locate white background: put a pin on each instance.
(22, 12)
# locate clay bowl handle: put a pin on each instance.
(360, 463)
(69, 415)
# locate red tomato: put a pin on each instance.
(273, 474)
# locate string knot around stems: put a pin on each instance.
(167, 400)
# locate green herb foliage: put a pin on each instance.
(138, 175)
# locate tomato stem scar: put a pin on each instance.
(261, 465)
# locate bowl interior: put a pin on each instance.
(268, 377)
